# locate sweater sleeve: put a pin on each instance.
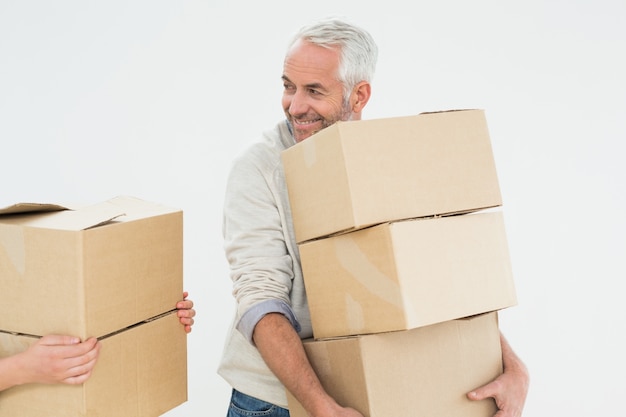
(260, 266)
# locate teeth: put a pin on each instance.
(305, 122)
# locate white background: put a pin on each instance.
(154, 98)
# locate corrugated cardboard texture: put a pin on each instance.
(91, 271)
(407, 274)
(358, 173)
(141, 372)
(420, 372)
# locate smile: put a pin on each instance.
(305, 122)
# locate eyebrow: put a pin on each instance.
(316, 86)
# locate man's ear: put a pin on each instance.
(361, 95)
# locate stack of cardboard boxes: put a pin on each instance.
(112, 270)
(405, 261)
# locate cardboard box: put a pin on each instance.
(359, 173)
(407, 274)
(141, 372)
(88, 271)
(420, 372)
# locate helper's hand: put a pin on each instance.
(58, 359)
(186, 312)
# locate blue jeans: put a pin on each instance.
(242, 405)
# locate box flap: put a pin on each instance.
(135, 208)
(30, 208)
(51, 216)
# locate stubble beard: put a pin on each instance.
(345, 114)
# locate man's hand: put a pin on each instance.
(509, 390)
(281, 348)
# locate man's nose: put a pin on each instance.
(298, 104)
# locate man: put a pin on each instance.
(326, 75)
(64, 359)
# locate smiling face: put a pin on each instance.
(313, 96)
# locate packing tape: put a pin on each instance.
(360, 267)
(356, 316)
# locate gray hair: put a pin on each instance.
(358, 51)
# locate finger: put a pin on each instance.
(91, 343)
(479, 394)
(186, 321)
(79, 350)
(475, 396)
(80, 365)
(186, 313)
(82, 360)
(184, 304)
(55, 339)
(62, 356)
(80, 374)
(78, 379)
(490, 390)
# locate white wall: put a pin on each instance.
(154, 98)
